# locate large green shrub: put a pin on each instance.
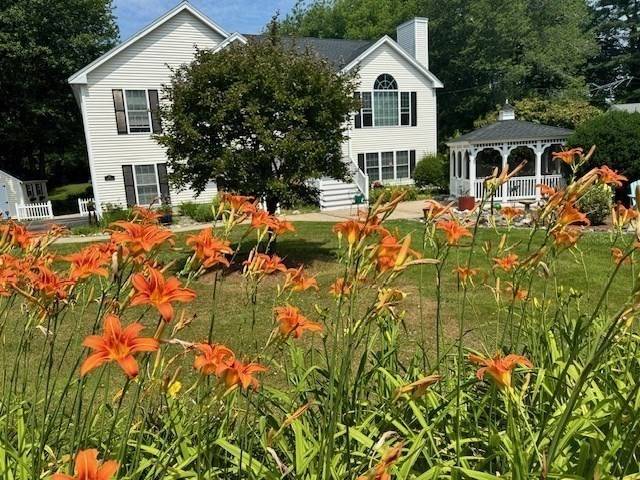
(616, 136)
(199, 212)
(597, 203)
(390, 191)
(430, 172)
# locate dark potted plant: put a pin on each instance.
(166, 214)
(466, 201)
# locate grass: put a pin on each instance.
(315, 246)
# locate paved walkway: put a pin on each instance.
(404, 211)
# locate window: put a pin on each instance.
(367, 110)
(138, 111)
(387, 166)
(402, 164)
(385, 101)
(373, 165)
(146, 184)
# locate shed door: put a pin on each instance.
(4, 201)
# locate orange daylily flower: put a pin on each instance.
(352, 229)
(509, 213)
(140, 238)
(49, 284)
(518, 292)
(506, 263)
(262, 263)
(117, 344)
(621, 216)
(159, 292)
(391, 254)
(209, 249)
(340, 287)
(619, 257)
(89, 261)
(293, 323)
(465, 273)
(381, 470)
(499, 368)
(610, 177)
(213, 358)
(434, 210)
(298, 281)
(8, 277)
(570, 215)
(17, 235)
(453, 231)
(145, 215)
(238, 203)
(568, 156)
(418, 388)
(240, 374)
(87, 467)
(566, 237)
(546, 190)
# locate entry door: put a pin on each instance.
(4, 201)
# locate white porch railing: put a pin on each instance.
(361, 180)
(83, 206)
(519, 188)
(34, 211)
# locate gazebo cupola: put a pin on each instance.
(508, 141)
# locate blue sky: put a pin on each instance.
(244, 16)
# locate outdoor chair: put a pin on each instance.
(632, 192)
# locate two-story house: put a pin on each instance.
(119, 96)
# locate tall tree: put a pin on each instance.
(42, 42)
(484, 51)
(262, 119)
(617, 23)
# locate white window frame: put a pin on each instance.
(135, 181)
(395, 165)
(126, 110)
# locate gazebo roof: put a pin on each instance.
(509, 130)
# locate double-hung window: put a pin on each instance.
(386, 105)
(402, 164)
(147, 189)
(387, 166)
(373, 167)
(138, 113)
(385, 101)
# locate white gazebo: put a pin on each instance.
(474, 155)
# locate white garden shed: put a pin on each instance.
(15, 192)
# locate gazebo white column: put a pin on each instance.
(472, 173)
(539, 151)
(503, 194)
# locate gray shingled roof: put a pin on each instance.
(513, 130)
(337, 51)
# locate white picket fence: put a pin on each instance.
(83, 205)
(34, 211)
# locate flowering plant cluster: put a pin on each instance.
(373, 370)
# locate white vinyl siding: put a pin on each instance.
(142, 66)
(14, 192)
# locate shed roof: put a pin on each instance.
(507, 130)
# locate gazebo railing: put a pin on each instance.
(519, 188)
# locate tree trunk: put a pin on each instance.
(272, 204)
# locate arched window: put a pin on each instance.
(385, 82)
(385, 101)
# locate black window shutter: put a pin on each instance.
(154, 106)
(414, 109)
(129, 185)
(361, 161)
(163, 180)
(367, 115)
(412, 162)
(121, 116)
(358, 116)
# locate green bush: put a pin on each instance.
(199, 212)
(616, 136)
(411, 192)
(597, 203)
(113, 213)
(430, 172)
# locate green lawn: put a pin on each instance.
(65, 191)
(315, 246)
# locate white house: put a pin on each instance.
(119, 94)
(15, 192)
